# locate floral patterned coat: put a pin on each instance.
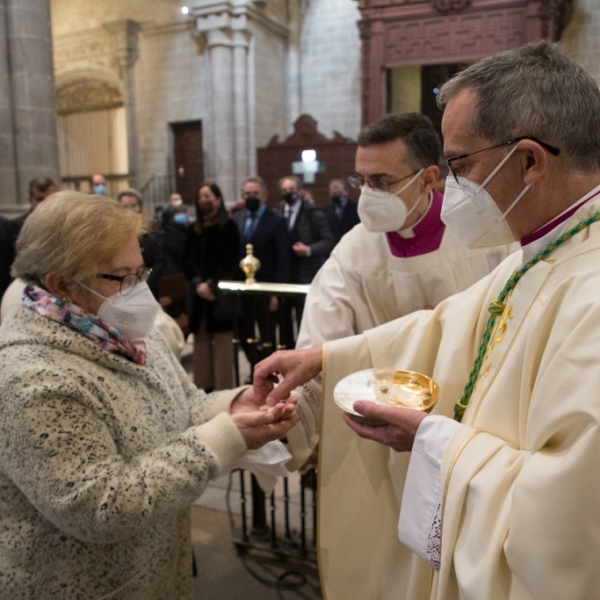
(100, 459)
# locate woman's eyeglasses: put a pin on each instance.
(127, 282)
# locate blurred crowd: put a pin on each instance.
(189, 248)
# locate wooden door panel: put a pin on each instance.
(189, 158)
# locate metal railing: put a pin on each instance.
(257, 531)
(156, 192)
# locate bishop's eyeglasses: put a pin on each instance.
(554, 151)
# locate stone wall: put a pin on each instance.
(330, 65)
(269, 62)
(172, 85)
(176, 78)
(79, 15)
(582, 36)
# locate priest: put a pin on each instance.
(400, 258)
(500, 500)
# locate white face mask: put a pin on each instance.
(470, 211)
(133, 315)
(381, 211)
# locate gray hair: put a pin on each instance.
(70, 233)
(256, 179)
(534, 90)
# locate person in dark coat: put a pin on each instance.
(342, 213)
(175, 222)
(39, 189)
(212, 253)
(7, 252)
(310, 240)
(267, 232)
(151, 243)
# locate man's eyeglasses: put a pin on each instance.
(554, 151)
(127, 282)
(358, 181)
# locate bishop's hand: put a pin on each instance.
(276, 376)
(399, 424)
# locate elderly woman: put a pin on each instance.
(105, 441)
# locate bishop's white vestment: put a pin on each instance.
(373, 278)
(520, 483)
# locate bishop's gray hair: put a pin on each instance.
(534, 90)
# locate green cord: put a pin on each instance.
(497, 307)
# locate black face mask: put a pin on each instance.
(252, 203)
(290, 197)
(337, 199)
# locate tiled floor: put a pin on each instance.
(223, 574)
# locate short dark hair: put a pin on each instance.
(414, 129)
(295, 178)
(131, 192)
(41, 183)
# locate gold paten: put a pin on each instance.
(406, 389)
(250, 264)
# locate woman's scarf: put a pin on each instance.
(91, 326)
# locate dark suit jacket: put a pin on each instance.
(8, 232)
(340, 227)
(271, 245)
(311, 229)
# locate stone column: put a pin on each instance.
(223, 116)
(294, 66)
(8, 180)
(31, 75)
(240, 107)
(126, 46)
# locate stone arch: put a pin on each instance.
(92, 88)
(88, 95)
(92, 127)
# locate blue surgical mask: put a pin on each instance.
(100, 188)
(181, 218)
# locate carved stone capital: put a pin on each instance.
(125, 38)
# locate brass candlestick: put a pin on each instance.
(250, 264)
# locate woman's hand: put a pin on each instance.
(248, 401)
(203, 290)
(259, 427)
(295, 366)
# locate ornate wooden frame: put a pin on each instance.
(418, 32)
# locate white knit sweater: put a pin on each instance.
(100, 459)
